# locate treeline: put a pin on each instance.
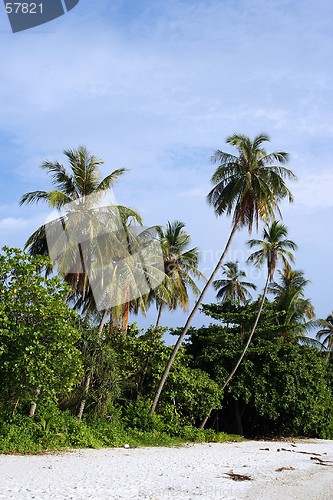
(48, 353)
(73, 369)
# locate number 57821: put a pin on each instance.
(24, 8)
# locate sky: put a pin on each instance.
(157, 87)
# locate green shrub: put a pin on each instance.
(20, 435)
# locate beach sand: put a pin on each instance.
(189, 472)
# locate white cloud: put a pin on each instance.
(12, 224)
(315, 190)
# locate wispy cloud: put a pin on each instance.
(315, 190)
(12, 223)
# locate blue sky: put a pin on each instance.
(156, 87)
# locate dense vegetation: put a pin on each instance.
(73, 374)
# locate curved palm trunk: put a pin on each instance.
(204, 422)
(102, 323)
(251, 335)
(84, 272)
(159, 316)
(246, 345)
(330, 350)
(189, 321)
(84, 399)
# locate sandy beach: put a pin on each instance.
(301, 469)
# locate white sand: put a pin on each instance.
(190, 472)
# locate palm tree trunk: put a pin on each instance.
(204, 422)
(330, 350)
(251, 334)
(102, 323)
(189, 321)
(15, 406)
(125, 311)
(33, 405)
(159, 315)
(84, 399)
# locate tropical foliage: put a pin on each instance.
(38, 334)
(249, 186)
(75, 371)
(77, 191)
(232, 288)
(325, 334)
(180, 267)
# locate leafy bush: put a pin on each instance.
(20, 435)
(38, 333)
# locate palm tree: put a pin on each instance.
(250, 186)
(289, 299)
(232, 288)
(180, 267)
(273, 246)
(326, 332)
(122, 289)
(111, 232)
(77, 191)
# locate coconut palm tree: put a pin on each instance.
(289, 299)
(326, 333)
(77, 191)
(273, 247)
(249, 186)
(180, 267)
(122, 292)
(233, 289)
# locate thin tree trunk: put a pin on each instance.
(204, 422)
(102, 323)
(143, 376)
(251, 335)
(15, 406)
(330, 349)
(159, 315)
(33, 405)
(189, 321)
(84, 399)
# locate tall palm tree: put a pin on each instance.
(289, 299)
(249, 186)
(232, 288)
(326, 332)
(180, 267)
(77, 191)
(273, 247)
